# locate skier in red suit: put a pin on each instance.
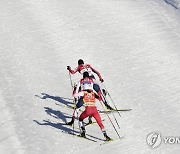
(82, 68)
(89, 98)
(85, 68)
(86, 83)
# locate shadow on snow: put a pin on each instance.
(58, 99)
(56, 114)
(60, 126)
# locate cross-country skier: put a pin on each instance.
(88, 98)
(86, 83)
(85, 68)
(88, 68)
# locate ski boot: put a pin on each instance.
(106, 104)
(83, 133)
(107, 138)
(109, 107)
(90, 120)
(104, 92)
(71, 122)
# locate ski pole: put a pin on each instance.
(113, 116)
(110, 120)
(111, 99)
(74, 100)
(74, 113)
(116, 120)
(71, 80)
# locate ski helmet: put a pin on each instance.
(80, 61)
(85, 74)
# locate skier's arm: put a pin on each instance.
(71, 70)
(95, 71)
(80, 94)
(77, 88)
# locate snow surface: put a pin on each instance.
(135, 44)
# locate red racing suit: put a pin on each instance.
(85, 68)
(89, 99)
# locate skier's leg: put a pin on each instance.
(101, 97)
(96, 87)
(97, 117)
(81, 118)
(99, 121)
(75, 113)
(80, 103)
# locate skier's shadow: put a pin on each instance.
(56, 98)
(60, 126)
(58, 115)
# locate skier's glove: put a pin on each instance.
(101, 80)
(68, 67)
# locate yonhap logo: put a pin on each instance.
(154, 140)
(172, 140)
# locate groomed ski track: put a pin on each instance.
(134, 44)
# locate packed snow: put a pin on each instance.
(134, 44)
